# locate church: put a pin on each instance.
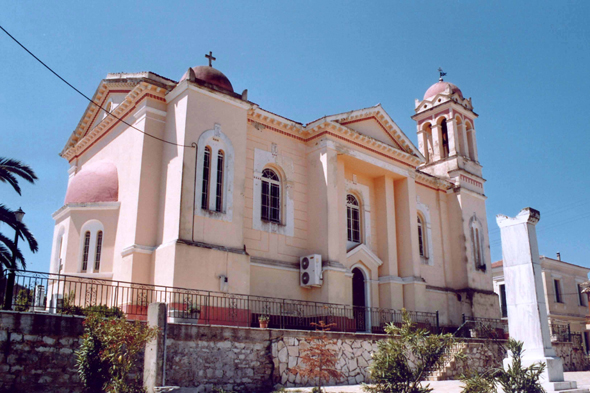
(189, 184)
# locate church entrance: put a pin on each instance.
(359, 302)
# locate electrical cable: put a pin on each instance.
(84, 95)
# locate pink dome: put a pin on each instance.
(96, 182)
(440, 87)
(211, 75)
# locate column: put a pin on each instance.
(436, 143)
(525, 296)
(423, 144)
(454, 143)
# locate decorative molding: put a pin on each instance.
(363, 247)
(274, 264)
(137, 248)
(211, 246)
(70, 207)
(401, 280)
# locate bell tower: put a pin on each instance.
(446, 138)
(446, 134)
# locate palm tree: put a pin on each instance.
(10, 255)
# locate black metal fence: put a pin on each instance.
(77, 295)
(560, 331)
(489, 328)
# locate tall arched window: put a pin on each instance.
(353, 219)
(98, 251)
(445, 138)
(422, 238)
(271, 196)
(206, 176)
(219, 188)
(477, 248)
(86, 251)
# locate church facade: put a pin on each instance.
(189, 184)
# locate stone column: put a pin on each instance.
(453, 135)
(525, 297)
(423, 145)
(436, 143)
(155, 350)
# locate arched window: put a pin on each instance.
(271, 196)
(206, 176)
(219, 188)
(353, 219)
(86, 251)
(98, 251)
(445, 138)
(477, 248)
(422, 238)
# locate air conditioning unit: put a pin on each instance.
(310, 271)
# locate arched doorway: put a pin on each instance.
(359, 299)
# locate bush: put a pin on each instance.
(24, 299)
(517, 379)
(407, 357)
(109, 350)
(101, 310)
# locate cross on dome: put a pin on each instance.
(211, 58)
(441, 74)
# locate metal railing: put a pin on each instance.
(78, 295)
(560, 331)
(489, 328)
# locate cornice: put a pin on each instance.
(70, 207)
(82, 138)
(429, 180)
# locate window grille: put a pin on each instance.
(353, 218)
(271, 196)
(206, 174)
(98, 251)
(219, 188)
(86, 250)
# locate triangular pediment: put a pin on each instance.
(375, 123)
(362, 253)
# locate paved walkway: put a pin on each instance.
(581, 377)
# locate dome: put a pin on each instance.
(212, 76)
(96, 182)
(440, 87)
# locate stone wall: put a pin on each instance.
(37, 352)
(37, 355)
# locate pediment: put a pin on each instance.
(362, 253)
(375, 123)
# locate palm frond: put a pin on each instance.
(7, 216)
(11, 249)
(10, 169)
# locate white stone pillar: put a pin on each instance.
(453, 135)
(525, 297)
(423, 144)
(436, 143)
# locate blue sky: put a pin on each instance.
(525, 64)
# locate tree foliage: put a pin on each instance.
(407, 357)
(318, 361)
(108, 353)
(516, 379)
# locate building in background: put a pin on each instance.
(214, 192)
(567, 305)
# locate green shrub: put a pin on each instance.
(24, 299)
(407, 357)
(108, 352)
(516, 379)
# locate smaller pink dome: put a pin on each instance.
(211, 75)
(440, 87)
(96, 182)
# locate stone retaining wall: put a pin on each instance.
(37, 355)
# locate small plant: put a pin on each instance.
(407, 357)
(23, 300)
(516, 379)
(318, 361)
(108, 352)
(263, 318)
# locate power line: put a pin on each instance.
(85, 96)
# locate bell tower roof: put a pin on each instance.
(442, 87)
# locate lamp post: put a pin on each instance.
(18, 215)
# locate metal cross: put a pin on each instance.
(441, 73)
(210, 57)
